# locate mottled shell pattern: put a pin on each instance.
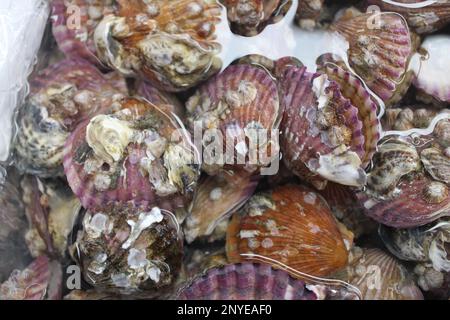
(292, 225)
(321, 134)
(409, 117)
(427, 246)
(240, 108)
(309, 12)
(169, 43)
(380, 49)
(128, 249)
(408, 184)
(245, 281)
(422, 16)
(136, 151)
(379, 276)
(62, 96)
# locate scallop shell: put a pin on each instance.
(435, 284)
(353, 89)
(241, 102)
(399, 191)
(409, 117)
(290, 224)
(216, 198)
(245, 281)
(73, 26)
(432, 74)
(309, 13)
(127, 249)
(41, 280)
(378, 54)
(136, 152)
(380, 276)
(52, 210)
(424, 18)
(13, 223)
(169, 43)
(249, 17)
(321, 135)
(62, 96)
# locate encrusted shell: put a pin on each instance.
(292, 225)
(41, 280)
(321, 135)
(127, 249)
(52, 210)
(399, 191)
(379, 54)
(249, 17)
(73, 25)
(62, 96)
(309, 13)
(409, 117)
(169, 43)
(245, 281)
(216, 198)
(380, 276)
(239, 112)
(137, 152)
(423, 16)
(353, 89)
(432, 74)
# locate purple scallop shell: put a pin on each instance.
(246, 281)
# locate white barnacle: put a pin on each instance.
(108, 137)
(245, 234)
(310, 198)
(320, 84)
(145, 220)
(215, 194)
(96, 225)
(137, 258)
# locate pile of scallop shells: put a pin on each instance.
(233, 149)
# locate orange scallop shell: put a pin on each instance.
(292, 225)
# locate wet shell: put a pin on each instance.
(423, 244)
(292, 225)
(353, 89)
(137, 151)
(399, 193)
(321, 135)
(216, 198)
(62, 96)
(52, 210)
(379, 54)
(309, 12)
(380, 276)
(127, 249)
(432, 74)
(249, 17)
(13, 223)
(169, 43)
(74, 23)
(41, 280)
(437, 164)
(241, 102)
(408, 117)
(245, 282)
(424, 18)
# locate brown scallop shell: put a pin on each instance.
(216, 198)
(290, 224)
